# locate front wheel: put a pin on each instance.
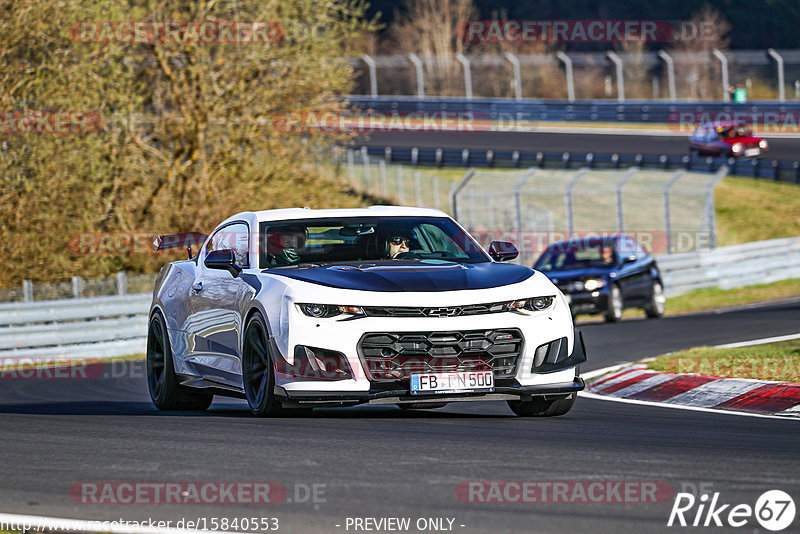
(257, 371)
(541, 407)
(165, 390)
(615, 305)
(655, 308)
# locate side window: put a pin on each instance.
(235, 237)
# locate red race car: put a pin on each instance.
(727, 138)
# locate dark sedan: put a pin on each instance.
(604, 275)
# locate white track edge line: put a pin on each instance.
(754, 342)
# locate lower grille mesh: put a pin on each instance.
(397, 355)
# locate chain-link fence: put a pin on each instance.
(666, 75)
(666, 211)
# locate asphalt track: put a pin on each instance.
(780, 148)
(383, 462)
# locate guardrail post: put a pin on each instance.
(624, 180)
(723, 61)
(373, 75)
(667, 220)
(564, 58)
(420, 75)
(467, 74)
(27, 291)
(517, 75)
(568, 200)
(122, 283)
(779, 60)
(670, 74)
(77, 286)
(457, 189)
(620, 75)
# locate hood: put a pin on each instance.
(745, 140)
(396, 276)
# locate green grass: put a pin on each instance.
(714, 298)
(774, 361)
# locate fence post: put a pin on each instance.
(457, 189)
(517, 75)
(620, 75)
(667, 219)
(723, 60)
(435, 192)
(122, 283)
(420, 76)
(568, 71)
(365, 160)
(373, 75)
(351, 167)
(400, 188)
(77, 287)
(467, 74)
(712, 221)
(384, 185)
(27, 291)
(670, 74)
(779, 60)
(625, 179)
(417, 188)
(568, 200)
(517, 197)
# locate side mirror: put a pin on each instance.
(502, 251)
(629, 259)
(223, 259)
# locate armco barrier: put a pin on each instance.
(116, 326)
(502, 109)
(74, 328)
(788, 171)
(759, 262)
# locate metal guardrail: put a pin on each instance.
(74, 328)
(759, 262)
(505, 109)
(787, 171)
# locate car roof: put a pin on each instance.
(285, 214)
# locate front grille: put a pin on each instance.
(397, 355)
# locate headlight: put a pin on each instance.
(737, 147)
(532, 304)
(321, 311)
(592, 284)
(763, 145)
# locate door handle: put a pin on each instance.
(197, 286)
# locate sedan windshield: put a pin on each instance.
(358, 239)
(561, 257)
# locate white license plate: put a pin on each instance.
(452, 382)
(752, 152)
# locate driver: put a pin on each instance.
(284, 244)
(398, 242)
(607, 254)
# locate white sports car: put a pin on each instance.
(299, 308)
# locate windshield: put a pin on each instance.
(563, 257)
(357, 239)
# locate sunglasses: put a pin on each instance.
(398, 241)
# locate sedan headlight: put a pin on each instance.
(532, 304)
(763, 145)
(322, 311)
(737, 147)
(592, 284)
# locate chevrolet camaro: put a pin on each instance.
(293, 309)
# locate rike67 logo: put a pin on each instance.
(774, 510)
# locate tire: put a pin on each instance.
(655, 308)
(615, 305)
(258, 373)
(540, 407)
(421, 405)
(165, 391)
